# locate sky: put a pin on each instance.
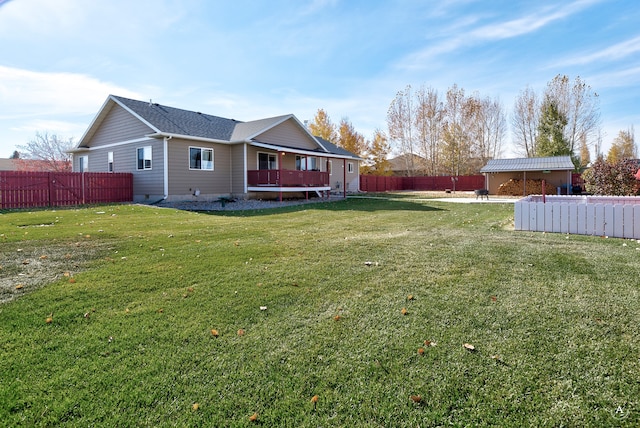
(246, 60)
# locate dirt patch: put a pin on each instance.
(25, 267)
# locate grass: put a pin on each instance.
(554, 318)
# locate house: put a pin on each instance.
(8, 165)
(555, 170)
(408, 165)
(179, 155)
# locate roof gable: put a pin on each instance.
(554, 163)
(177, 121)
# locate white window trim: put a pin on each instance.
(350, 167)
(201, 161)
(110, 166)
(83, 163)
(304, 163)
(144, 168)
(275, 155)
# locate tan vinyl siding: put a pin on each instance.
(288, 134)
(119, 125)
(184, 182)
(238, 175)
(148, 184)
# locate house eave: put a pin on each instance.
(300, 151)
(188, 137)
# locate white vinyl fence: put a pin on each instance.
(613, 216)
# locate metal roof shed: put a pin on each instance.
(556, 170)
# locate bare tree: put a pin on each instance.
(49, 150)
(580, 106)
(526, 116)
(400, 125)
(428, 122)
(492, 128)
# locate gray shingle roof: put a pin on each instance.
(245, 130)
(554, 163)
(332, 148)
(181, 122)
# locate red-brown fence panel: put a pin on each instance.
(372, 183)
(28, 189)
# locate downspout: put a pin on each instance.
(165, 154)
(344, 178)
(246, 172)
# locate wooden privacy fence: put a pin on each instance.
(27, 189)
(373, 183)
(613, 216)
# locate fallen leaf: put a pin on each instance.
(336, 318)
(430, 343)
(253, 417)
(19, 286)
(49, 320)
(214, 332)
(67, 274)
(410, 297)
(494, 298)
(416, 398)
(263, 308)
(87, 315)
(72, 280)
(195, 406)
(190, 289)
(43, 257)
(241, 332)
(314, 399)
(469, 347)
(420, 351)
(160, 310)
(404, 311)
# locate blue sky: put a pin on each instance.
(59, 60)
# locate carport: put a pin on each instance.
(555, 170)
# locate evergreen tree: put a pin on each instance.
(550, 140)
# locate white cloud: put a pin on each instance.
(26, 93)
(612, 53)
(495, 31)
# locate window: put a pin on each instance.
(144, 157)
(303, 163)
(200, 158)
(350, 167)
(83, 163)
(267, 161)
(110, 162)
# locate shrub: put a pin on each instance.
(617, 178)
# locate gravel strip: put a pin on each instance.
(242, 204)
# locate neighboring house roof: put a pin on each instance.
(171, 121)
(399, 163)
(555, 163)
(8, 165)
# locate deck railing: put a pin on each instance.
(287, 178)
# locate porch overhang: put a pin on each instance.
(288, 189)
(298, 151)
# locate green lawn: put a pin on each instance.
(134, 292)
